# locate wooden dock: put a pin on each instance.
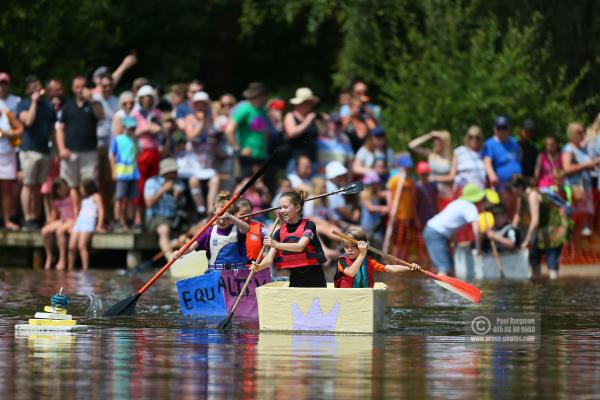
(20, 245)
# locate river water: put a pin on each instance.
(422, 353)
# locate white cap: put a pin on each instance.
(334, 169)
(146, 90)
(200, 96)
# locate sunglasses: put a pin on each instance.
(226, 104)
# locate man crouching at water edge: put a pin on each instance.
(225, 242)
(296, 244)
(355, 269)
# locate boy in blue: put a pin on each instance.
(123, 160)
(501, 154)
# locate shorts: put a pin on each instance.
(84, 225)
(309, 276)
(78, 167)
(153, 223)
(8, 166)
(126, 190)
(35, 167)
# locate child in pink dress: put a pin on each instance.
(60, 221)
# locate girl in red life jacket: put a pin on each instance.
(224, 242)
(296, 246)
(256, 232)
(355, 269)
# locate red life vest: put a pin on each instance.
(312, 254)
(254, 241)
(341, 280)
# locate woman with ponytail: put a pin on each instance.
(296, 246)
(224, 242)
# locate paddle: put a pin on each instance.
(127, 305)
(226, 323)
(350, 188)
(454, 285)
(486, 221)
(390, 225)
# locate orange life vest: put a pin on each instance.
(254, 241)
(312, 255)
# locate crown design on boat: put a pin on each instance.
(314, 319)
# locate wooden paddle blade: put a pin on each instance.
(353, 187)
(123, 307)
(225, 325)
(457, 286)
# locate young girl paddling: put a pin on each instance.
(296, 246)
(225, 242)
(355, 269)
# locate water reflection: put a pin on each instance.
(421, 354)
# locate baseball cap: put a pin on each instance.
(377, 131)
(103, 70)
(404, 161)
(528, 125)
(423, 168)
(501, 122)
(4, 77)
(334, 169)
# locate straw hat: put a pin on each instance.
(303, 94)
(167, 165)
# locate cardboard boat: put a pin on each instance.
(468, 266)
(281, 308)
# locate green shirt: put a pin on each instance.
(252, 129)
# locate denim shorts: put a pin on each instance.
(437, 247)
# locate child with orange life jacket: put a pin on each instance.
(225, 241)
(256, 231)
(355, 268)
(296, 246)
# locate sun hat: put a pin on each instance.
(334, 169)
(167, 165)
(370, 178)
(492, 196)
(472, 193)
(303, 94)
(200, 96)
(423, 168)
(255, 89)
(404, 161)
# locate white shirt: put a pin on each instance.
(110, 107)
(11, 103)
(296, 181)
(455, 215)
(335, 201)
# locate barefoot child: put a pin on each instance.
(61, 220)
(296, 246)
(89, 219)
(355, 269)
(224, 242)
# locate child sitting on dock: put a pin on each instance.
(61, 220)
(355, 269)
(296, 244)
(89, 220)
(224, 242)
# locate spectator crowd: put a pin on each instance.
(87, 161)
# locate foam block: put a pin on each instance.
(50, 309)
(41, 315)
(52, 322)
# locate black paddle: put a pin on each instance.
(127, 305)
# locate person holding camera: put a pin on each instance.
(161, 193)
(358, 123)
(76, 137)
(300, 128)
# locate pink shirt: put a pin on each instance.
(547, 170)
(65, 208)
(146, 140)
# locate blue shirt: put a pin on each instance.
(37, 136)
(505, 157)
(166, 206)
(122, 148)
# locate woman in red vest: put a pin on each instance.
(296, 246)
(355, 268)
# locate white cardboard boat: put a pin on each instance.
(281, 308)
(468, 266)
